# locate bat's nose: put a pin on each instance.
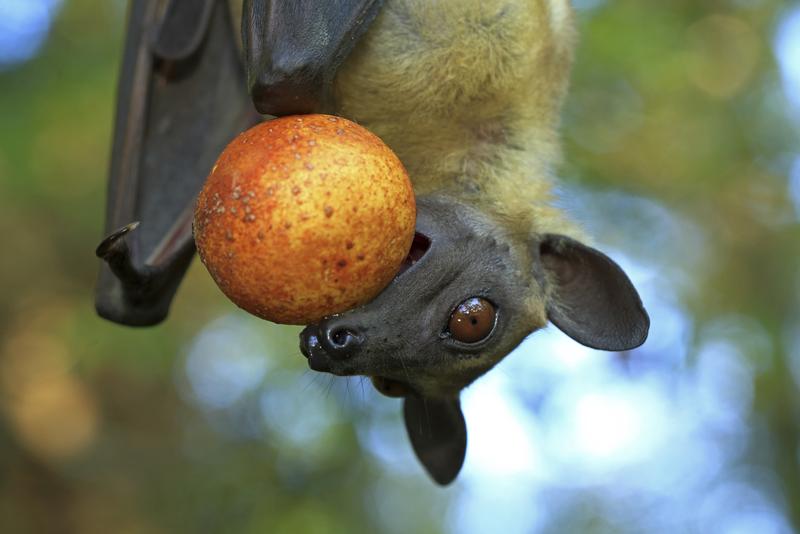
(338, 338)
(312, 349)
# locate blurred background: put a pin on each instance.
(683, 161)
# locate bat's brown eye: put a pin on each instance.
(472, 320)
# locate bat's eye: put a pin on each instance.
(472, 320)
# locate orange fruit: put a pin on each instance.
(303, 217)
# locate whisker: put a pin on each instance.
(311, 378)
(330, 387)
(405, 369)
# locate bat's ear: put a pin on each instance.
(438, 434)
(591, 298)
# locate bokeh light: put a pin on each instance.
(226, 360)
(50, 409)
(787, 50)
(724, 53)
(24, 25)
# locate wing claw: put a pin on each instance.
(111, 244)
(182, 98)
(116, 252)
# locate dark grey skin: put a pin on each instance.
(401, 338)
(183, 94)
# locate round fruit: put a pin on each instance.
(303, 217)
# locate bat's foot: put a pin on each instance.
(136, 294)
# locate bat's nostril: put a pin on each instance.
(309, 340)
(342, 337)
(340, 341)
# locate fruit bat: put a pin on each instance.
(466, 92)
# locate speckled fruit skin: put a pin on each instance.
(303, 217)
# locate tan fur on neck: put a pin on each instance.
(468, 93)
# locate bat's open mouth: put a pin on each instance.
(419, 246)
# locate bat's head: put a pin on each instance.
(468, 294)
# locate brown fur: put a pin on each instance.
(468, 93)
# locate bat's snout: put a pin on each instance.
(312, 349)
(330, 344)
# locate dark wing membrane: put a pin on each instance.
(294, 48)
(182, 97)
(181, 29)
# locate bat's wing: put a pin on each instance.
(294, 48)
(182, 97)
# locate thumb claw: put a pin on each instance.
(116, 252)
(115, 243)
